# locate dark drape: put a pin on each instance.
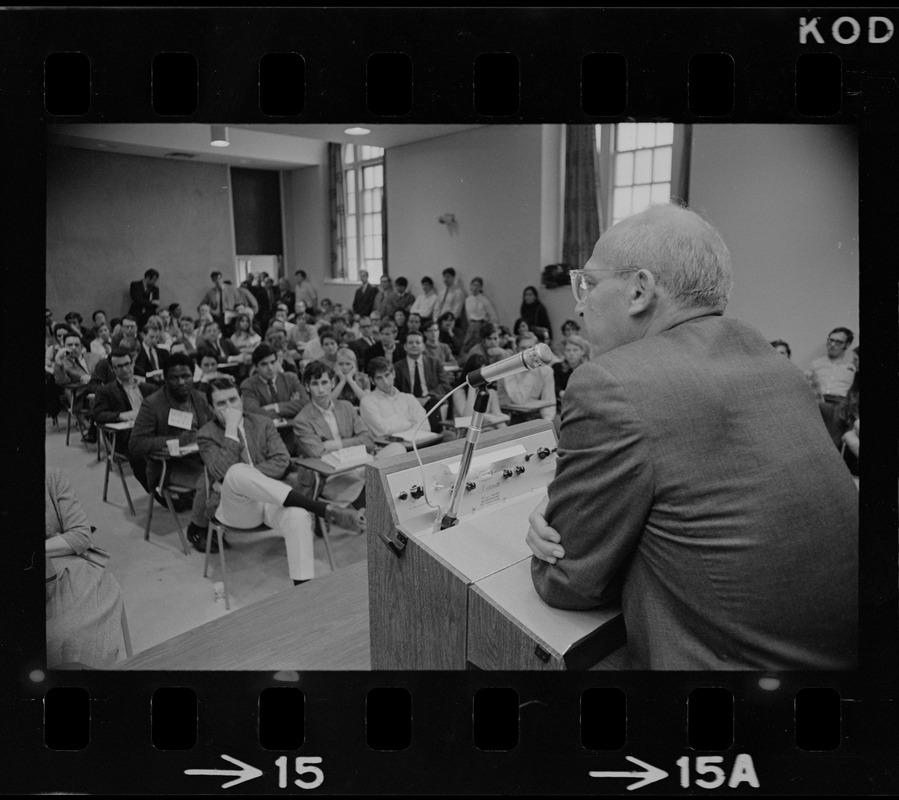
(581, 211)
(337, 204)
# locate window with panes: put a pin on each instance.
(364, 186)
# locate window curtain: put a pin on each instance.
(337, 203)
(581, 211)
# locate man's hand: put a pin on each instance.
(127, 416)
(333, 444)
(231, 417)
(543, 540)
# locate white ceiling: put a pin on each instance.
(259, 146)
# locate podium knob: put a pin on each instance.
(519, 470)
(543, 452)
(507, 473)
(402, 495)
(470, 486)
(417, 492)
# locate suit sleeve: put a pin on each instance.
(143, 439)
(251, 404)
(217, 456)
(361, 432)
(290, 408)
(103, 410)
(601, 496)
(309, 443)
(277, 458)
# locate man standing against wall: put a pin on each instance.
(832, 376)
(364, 299)
(305, 291)
(221, 299)
(144, 297)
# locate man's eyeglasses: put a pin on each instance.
(579, 285)
(831, 340)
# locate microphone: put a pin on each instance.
(537, 356)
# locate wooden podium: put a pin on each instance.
(462, 597)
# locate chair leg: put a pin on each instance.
(124, 486)
(68, 426)
(126, 634)
(149, 517)
(168, 502)
(221, 539)
(106, 479)
(326, 536)
(209, 528)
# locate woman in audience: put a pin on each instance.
(84, 601)
(506, 339)
(575, 351)
(447, 321)
(101, 344)
(352, 385)
(520, 328)
(533, 312)
(244, 337)
(401, 318)
(207, 369)
(330, 343)
(463, 399)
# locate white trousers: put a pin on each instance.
(250, 498)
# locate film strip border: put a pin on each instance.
(458, 65)
(491, 65)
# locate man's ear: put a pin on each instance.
(643, 293)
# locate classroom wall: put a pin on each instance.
(306, 215)
(110, 217)
(491, 178)
(785, 198)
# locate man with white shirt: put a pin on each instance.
(479, 311)
(832, 376)
(72, 367)
(531, 386)
(150, 356)
(305, 291)
(421, 376)
(119, 401)
(386, 410)
(247, 462)
(425, 302)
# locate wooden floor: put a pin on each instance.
(165, 591)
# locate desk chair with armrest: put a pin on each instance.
(220, 529)
(79, 415)
(165, 487)
(107, 440)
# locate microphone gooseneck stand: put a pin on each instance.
(471, 442)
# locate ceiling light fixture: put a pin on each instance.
(219, 136)
(357, 131)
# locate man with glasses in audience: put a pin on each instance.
(695, 485)
(119, 401)
(831, 377)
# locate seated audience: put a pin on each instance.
(84, 601)
(248, 464)
(488, 347)
(244, 338)
(576, 351)
(204, 315)
(533, 312)
(387, 346)
(352, 385)
(384, 299)
(326, 425)
(531, 386)
(422, 377)
(119, 401)
(186, 335)
(72, 369)
(101, 344)
(385, 410)
(400, 318)
(447, 322)
(99, 318)
(425, 302)
(364, 340)
(287, 357)
(478, 311)
(74, 320)
(60, 329)
(207, 368)
(224, 349)
(330, 344)
(150, 356)
(158, 421)
(127, 336)
(435, 348)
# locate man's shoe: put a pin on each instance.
(197, 538)
(90, 438)
(349, 518)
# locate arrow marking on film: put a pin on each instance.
(245, 773)
(649, 774)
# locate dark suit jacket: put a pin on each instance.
(143, 364)
(438, 385)
(152, 429)
(697, 486)
(224, 349)
(142, 306)
(111, 400)
(377, 351)
(364, 300)
(255, 394)
(312, 431)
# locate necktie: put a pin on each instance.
(416, 383)
(221, 302)
(272, 391)
(153, 357)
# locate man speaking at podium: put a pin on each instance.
(696, 484)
